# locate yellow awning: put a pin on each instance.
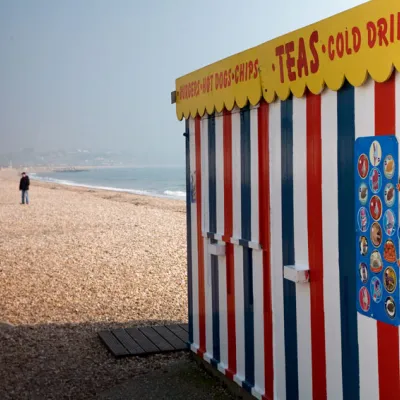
(361, 41)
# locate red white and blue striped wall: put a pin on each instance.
(273, 184)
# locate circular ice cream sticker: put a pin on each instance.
(376, 289)
(363, 194)
(365, 299)
(363, 166)
(390, 280)
(390, 307)
(375, 262)
(389, 223)
(375, 180)
(375, 153)
(388, 167)
(363, 243)
(363, 269)
(389, 252)
(376, 234)
(362, 219)
(390, 194)
(375, 208)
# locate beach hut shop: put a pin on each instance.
(293, 210)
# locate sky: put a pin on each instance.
(99, 73)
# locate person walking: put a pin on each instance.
(24, 188)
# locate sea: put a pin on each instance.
(166, 182)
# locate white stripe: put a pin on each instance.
(333, 341)
(236, 174)
(206, 227)
(239, 310)
(276, 251)
(255, 392)
(204, 173)
(238, 250)
(258, 289)
(303, 301)
(367, 328)
(195, 260)
(223, 321)
(219, 152)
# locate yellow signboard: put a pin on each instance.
(364, 40)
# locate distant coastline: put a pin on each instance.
(80, 168)
(70, 169)
(164, 182)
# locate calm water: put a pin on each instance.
(151, 181)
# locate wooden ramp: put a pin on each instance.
(146, 340)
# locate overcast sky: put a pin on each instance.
(98, 74)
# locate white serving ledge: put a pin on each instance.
(297, 273)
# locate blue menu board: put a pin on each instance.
(377, 221)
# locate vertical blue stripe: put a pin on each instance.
(212, 200)
(248, 318)
(189, 232)
(289, 288)
(245, 172)
(247, 252)
(348, 311)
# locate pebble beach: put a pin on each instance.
(74, 262)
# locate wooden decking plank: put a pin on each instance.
(128, 342)
(185, 327)
(147, 345)
(113, 344)
(158, 340)
(170, 337)
(178, 331)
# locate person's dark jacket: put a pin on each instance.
(24, 183)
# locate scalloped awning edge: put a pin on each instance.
(195, 112)
(349, 46)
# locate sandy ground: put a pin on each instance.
(76, 261)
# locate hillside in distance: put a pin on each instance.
(58, 158)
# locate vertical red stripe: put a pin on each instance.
(315, 245)
(200, 242)
(265, 241)
(385, 107)
(388, 335)
(228, 223)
